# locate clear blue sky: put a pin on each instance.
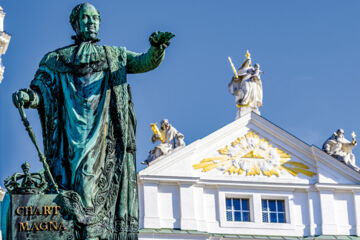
(309, 51)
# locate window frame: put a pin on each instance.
(286, 199)
(268, 212)
(241, 210)
(255, 208)
(222, 209)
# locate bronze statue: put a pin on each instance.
(88, 124)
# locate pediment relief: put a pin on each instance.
(251, 155)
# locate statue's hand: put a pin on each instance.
(21, 98)
(161, 39)
(154, 138)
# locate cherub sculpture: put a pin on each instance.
(341, 148)
(246, 86)
(170, 139)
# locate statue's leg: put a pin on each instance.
(157, 152)
(127, 219)
(121, 221)
(133, 203)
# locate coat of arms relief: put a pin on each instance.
(252, 155)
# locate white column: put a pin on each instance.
(187, 207)
(256, 208)
(329, 226)
(356, 195)
(200, 208)
(151, 208)
(311, 210)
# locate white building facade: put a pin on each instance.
(249, 180)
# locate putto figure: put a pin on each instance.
(170, 139)
(88, 125)
(341, 148)
(246, 86)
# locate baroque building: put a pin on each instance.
(249, 180)
(4, 42)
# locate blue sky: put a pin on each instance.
(308, 49)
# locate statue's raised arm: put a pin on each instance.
(138, 63)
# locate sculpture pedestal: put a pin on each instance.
(37, 216)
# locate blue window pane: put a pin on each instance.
(236, 203)
(272, 205)
(228, 204)
(264, 205)
(237, 216)
(280, 205)
(245, 204)
(273, 218)
(281, 217)
(265, 217)
(246, 217)
(228, 216)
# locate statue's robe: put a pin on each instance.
(89, 125)
(248, 94)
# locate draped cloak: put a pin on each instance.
(88, 124)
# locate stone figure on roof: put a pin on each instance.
(170, 139)
(4, 42)
(246, 86)
(341, 148)
(88, 124)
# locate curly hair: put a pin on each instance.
(74, 16)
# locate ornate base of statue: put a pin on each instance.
(37, 216)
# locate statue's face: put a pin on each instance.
(89, 22)
(164, 125)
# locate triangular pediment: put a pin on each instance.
(252, 149)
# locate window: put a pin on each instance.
(237, 210)
(273, 211)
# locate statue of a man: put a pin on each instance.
(172, 139)
(341, 148)
(88, 125)
(247, 88)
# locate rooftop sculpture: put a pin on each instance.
(341, 148)
(170, 139)
(246, 86)
(4, 42)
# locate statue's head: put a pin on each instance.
(164, 124)
(339, 133)
(246, 64)
(85, 20)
